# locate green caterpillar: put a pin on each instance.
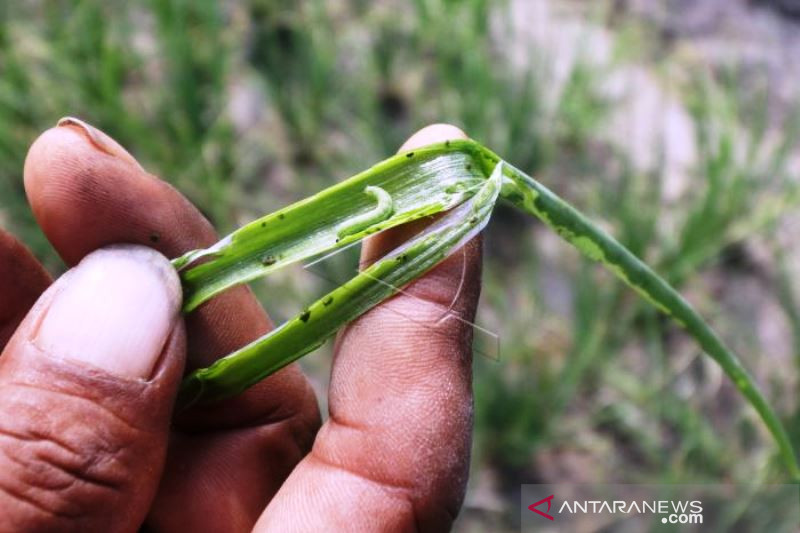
(382, 211)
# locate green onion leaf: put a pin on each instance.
(322, 319)
(448, 176)
(419, 183)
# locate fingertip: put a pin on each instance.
(86, 192)
(103, 420)
(68, 148)
(433, 133)
(98, 139)
(47, 148)
(115, 311)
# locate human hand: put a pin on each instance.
(91, 365)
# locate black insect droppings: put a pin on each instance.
(327, 301)
(281, 216)
(268, 260)
(305, 316)
(469, 167)
(263, 224)
(447, 143)
(155, 237)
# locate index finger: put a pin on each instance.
(87, 191)
(394, 454)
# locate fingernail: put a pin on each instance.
(115, 311)
(99, 139)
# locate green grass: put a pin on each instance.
(585, 369)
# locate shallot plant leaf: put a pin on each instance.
(400, 189)
(460, 177)
(322, 319)
(532, 197)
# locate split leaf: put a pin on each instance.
(452, 177)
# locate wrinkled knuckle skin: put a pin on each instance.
(68, 473)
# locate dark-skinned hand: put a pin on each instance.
(91, 364)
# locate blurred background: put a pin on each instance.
(674, 123)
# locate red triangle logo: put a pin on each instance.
(533, 507)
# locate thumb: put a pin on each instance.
(86, 390)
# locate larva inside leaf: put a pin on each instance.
(382, 210)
